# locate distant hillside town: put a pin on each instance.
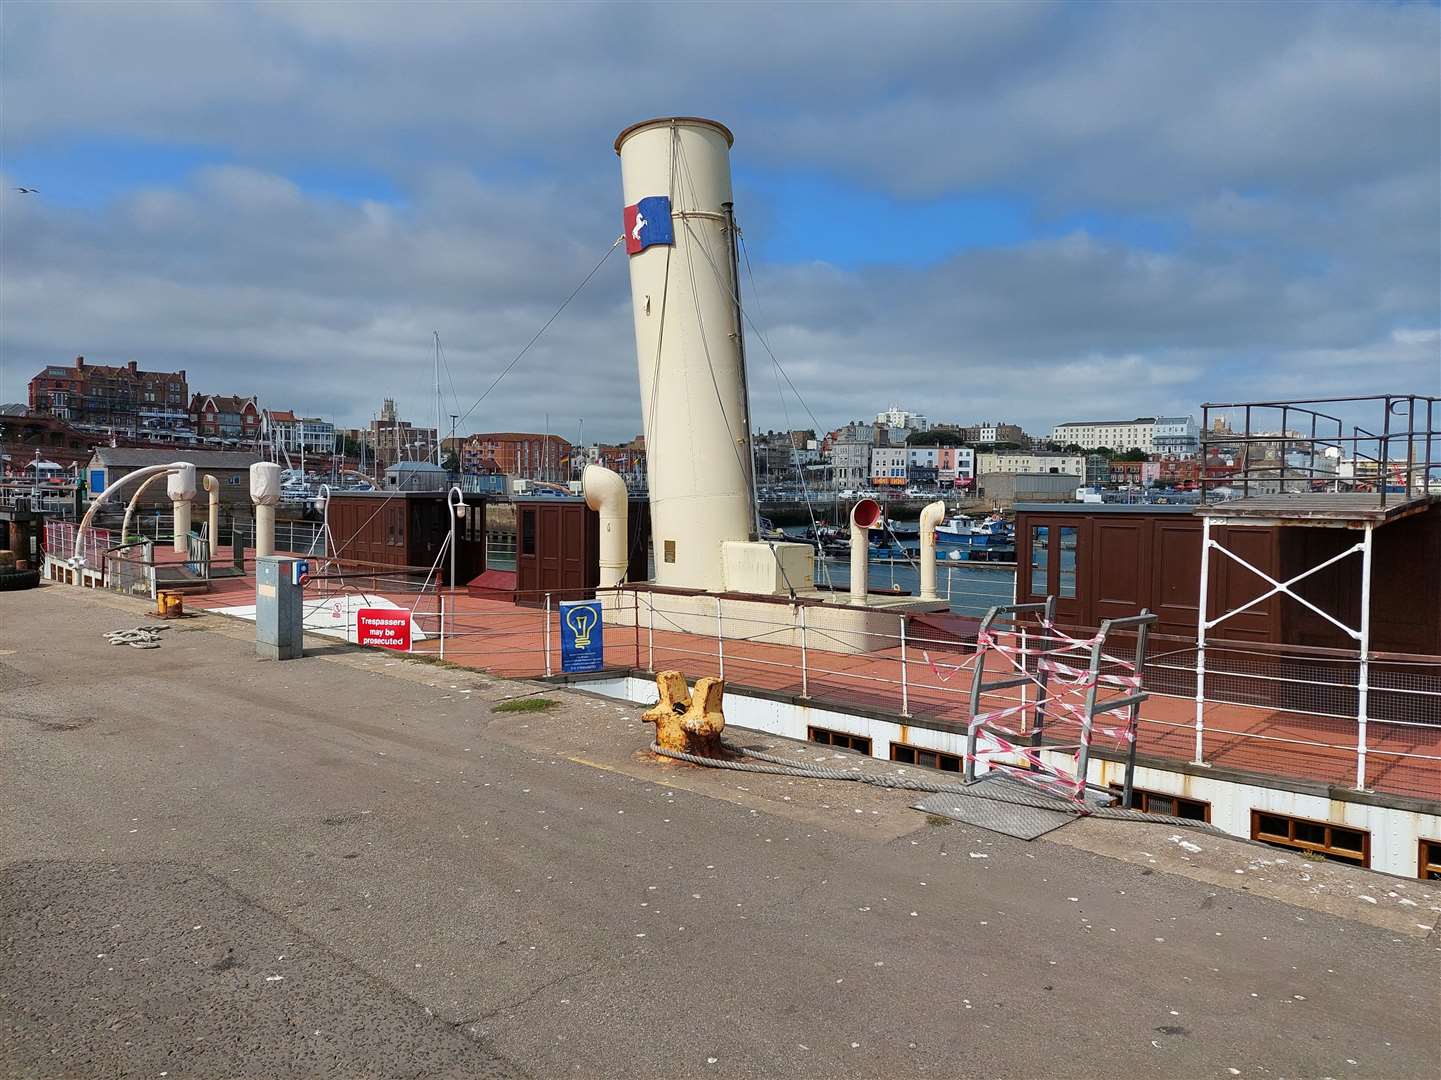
(73, 409)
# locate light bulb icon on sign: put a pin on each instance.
(582, 621)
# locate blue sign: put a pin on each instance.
(582, 637)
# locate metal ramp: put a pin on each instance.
(1001, 804)
(1004, 805)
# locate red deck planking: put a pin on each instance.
(506, 639)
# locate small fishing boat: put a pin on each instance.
(990, 540)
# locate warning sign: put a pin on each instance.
(388, 628)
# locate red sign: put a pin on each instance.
(389, 628)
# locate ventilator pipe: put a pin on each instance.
(180, 486)
(865, 515)
(265, 494)
(605, 493)
(212, 485)
(932, 514)
(77, 559)
(133, 503)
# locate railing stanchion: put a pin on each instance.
(720, 647)
(905, 682)
(442, 625)
(1200, 758)
(1363, 673)
(1025, 687)
(805, 673)
(635, 623)
(547, 635)
(650, 631)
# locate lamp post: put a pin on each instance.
(455, 500)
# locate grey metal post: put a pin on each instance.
(905, 682)
(442, 625)
(805, 673)
(650, 630)
(720, 647)
(1083, 754)
(1133, 723)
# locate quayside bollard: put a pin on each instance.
(685, 722)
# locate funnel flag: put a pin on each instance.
(648, 222)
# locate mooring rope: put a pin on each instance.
(774, 765)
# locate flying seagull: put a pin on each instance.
(28, 190)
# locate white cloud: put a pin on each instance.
(1297, 146)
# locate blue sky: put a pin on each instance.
(1029, 212)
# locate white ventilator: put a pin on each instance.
(265, 494)
(688, 345)
(180, 486)
(865, 515)
(932, 514)
(212, 485)
(605, 493)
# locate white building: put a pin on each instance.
(1137, 434)
(850, 455)
(308, 433)
(896, 417)
(1032, 462)
(889, 466)
(1176, 436)
(922, 457)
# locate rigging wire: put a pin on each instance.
(785, 410)
(774, 360)
(705, 345)
(546, 326)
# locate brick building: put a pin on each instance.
(219, 416)
(124, 398)
(24, 431)
(517, 453)
(392, 439)
(627, 459)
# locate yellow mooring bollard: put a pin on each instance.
(690, 723)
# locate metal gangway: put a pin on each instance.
(1069, 676)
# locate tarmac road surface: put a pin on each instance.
(348, 865)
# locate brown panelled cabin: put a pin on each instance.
(407, 528)
(1110, 560)
(557, 548)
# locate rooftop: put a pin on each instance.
(135, 457)
(1107, 423)
(1321, 508)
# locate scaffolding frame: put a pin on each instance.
(1360, 634)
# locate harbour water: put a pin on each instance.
(972, 588)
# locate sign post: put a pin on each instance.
(582, 637)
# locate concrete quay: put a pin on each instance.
(349, 865)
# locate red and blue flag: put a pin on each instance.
(648, 222)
